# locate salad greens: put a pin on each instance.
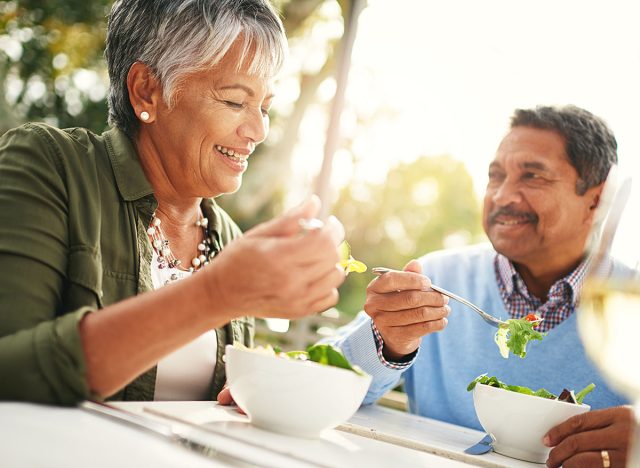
(514, 334)
(331, 356)
(325, 354)
(484, 379)
(347, 262)
(584, 392)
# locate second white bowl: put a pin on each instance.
(518, 422)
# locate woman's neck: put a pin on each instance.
(176, 212)
(173, 206)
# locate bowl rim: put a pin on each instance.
(297, 362)
(522, 395)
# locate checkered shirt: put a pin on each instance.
(561, 302)
(562, 297)
(390, 364)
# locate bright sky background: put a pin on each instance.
(448, 74)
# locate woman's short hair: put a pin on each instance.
(175, 38)
(589, 142)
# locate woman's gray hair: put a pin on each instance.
(175, 38)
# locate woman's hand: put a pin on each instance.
(278, 270)
(403, 309)
(580, 440)
(225, 399)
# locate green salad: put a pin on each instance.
(514, 334)
(567, 395)
(325, 354)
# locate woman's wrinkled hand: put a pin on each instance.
(404, 309)
(278, 269)
(580, 440)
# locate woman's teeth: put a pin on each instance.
(230, 154)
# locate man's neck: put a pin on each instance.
(539, 280)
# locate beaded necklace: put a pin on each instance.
(166, 258)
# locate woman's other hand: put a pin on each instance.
(225, 399)
(279, 270)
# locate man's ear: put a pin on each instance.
(145, 92)
(594, 194)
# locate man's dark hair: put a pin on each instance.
(589, 142)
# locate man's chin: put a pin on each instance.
(515, 250)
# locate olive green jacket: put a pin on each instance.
(74, 209)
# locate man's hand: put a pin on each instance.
(580, 440)
(279, 270)
(404, 310)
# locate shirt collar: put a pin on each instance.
(130, 178)
(513, 282)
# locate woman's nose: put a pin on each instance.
(256, 126)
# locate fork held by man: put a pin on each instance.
(490, 319)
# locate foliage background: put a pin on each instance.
(52, 70)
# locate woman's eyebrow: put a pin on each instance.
(244, 88)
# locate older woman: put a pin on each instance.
(89, 222)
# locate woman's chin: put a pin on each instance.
(224, 188)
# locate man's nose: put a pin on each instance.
(508, 192)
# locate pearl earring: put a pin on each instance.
(144, 115)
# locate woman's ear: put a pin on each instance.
(145, 92)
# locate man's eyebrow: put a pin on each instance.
(244, 88)
(535, 166)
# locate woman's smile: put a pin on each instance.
(232, 158)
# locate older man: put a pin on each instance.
(544, 185)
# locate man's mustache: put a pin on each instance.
(507, 211)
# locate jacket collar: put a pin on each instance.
(130, 178)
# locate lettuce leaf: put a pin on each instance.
(514, 334)
(347, 262)
(330, 356)
(584, 392)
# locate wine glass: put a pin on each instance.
(609, 308)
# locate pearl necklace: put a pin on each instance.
(166, 258)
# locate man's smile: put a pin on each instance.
(510, 217)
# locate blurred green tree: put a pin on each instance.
(52, 69)
(422, 206)
(51, 65)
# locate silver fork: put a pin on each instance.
(490, 319)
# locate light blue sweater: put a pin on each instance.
(436, 383)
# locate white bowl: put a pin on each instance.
(290, 396)
(518, 422)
